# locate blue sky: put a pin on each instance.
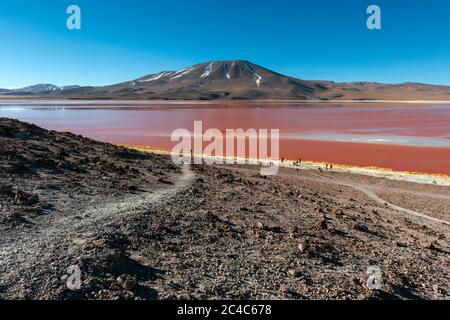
(122, 40)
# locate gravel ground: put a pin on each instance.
(139, 227)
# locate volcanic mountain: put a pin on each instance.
(217, 80)
(237, 79)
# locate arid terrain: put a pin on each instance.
(139, 227)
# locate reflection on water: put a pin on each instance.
(375, 138)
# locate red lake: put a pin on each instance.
(399, 136)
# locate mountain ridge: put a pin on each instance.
(40, 88)
(236, 80)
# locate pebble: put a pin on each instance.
(303, 246)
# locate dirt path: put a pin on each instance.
(415, 192)
(22, 248)
(369, 191)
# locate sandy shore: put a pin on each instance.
(416, 177)
(18, 101)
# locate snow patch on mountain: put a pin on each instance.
(42, 88)
(227, 71)
(208, 70)
(156, 77)
(182, 72)
(258, 78)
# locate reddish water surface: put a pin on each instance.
(396, 136)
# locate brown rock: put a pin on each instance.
(439, 290)
(402, 244)
(294, 273)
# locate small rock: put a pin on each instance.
(132, 188)
(3, 131)
(20, 135)
(323, 224)
(434, 245)
(438, 289)
(6, 189)
(32, 200)
(126, 283)
(402, 244)
(362, 228)
(165, 181)
(303, 246)
(129, 284)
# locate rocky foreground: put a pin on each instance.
(139, 227)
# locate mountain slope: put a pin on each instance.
(237, 79)
(216, 80)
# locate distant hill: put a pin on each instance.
(38, 89)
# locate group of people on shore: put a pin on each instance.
(328, 166)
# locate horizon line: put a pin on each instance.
(15, 87)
